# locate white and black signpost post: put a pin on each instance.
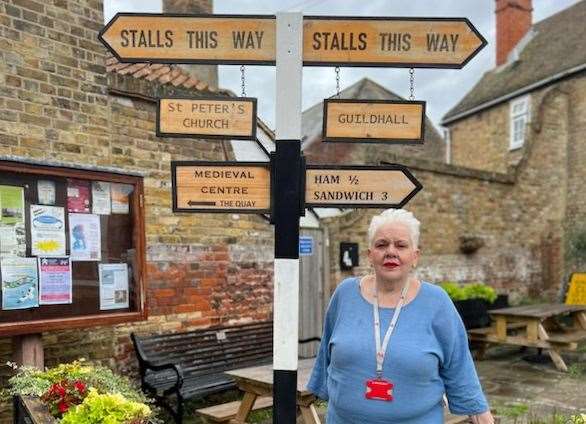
(287, 171)
(286, 186)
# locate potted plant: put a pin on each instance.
(78, 392)
(472, 302)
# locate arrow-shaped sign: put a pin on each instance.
(251, 39)
(389, 186)
(237, 187)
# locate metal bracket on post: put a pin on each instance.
(302, 186)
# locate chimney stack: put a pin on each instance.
(513, 20)
(206, 73)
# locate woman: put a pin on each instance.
(392, 345)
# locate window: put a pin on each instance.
(448, 140)
(519, 118)
(71, 248)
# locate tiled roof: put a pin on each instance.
(557, 45)
(172, 75)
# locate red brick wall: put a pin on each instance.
(513, 20)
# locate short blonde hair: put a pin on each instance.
(395, 215)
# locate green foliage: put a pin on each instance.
(512, 410)
(33, 382)
(469, 291)
(107, 409)
(453, 289)
(479, 291)
(577, 370)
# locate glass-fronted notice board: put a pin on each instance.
(71, 248)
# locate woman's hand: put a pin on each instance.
(484, 418)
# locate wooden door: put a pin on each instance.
(312, 288)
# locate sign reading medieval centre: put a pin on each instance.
(221, 187)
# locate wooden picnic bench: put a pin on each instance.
(537, 326)
(192, 364)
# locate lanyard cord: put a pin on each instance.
(381, 350)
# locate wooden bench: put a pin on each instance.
(192, 364)
(226, 411)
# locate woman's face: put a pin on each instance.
(392, 253)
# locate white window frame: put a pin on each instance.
(519, 117)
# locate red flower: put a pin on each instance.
(80, 387)
(63, 407)
(60, 389)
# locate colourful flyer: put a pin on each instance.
(78, 196)
(19, 283)
(47, 230)
(12, 205)
(113, 286)
(85, 237)
(120, 201)
(55, 281)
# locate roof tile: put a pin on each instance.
(161, 74)
(558, 44)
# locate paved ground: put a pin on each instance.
(519, 391)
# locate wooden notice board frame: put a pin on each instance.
(375, 140)
(137, 307)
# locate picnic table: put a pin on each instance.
(258, 382)
(257, 385)
(537, 326)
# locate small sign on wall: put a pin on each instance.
(348, 255)
(577, 291)
(305, 246)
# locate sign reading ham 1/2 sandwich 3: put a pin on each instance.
(251, 39)
(207, 117)
(239, 187)
(388, 186)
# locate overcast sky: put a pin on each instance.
(442, 89)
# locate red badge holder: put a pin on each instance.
(379, 389)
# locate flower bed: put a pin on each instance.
(82, 393)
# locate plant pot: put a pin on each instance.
(474, 312)
(30, 410)
(502, 301)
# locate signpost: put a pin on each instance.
(251, 39)
(207, 117)
(389, 186)
(372, 121)
(290, 41)
(237, 187)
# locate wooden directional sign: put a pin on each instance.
(207, 117)
(176, 38)
(242, 187)
(372, 121)
(251, 39)
(389, 186)
(392, 42)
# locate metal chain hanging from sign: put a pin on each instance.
(243, 81)
(337, 82)
(412, 84)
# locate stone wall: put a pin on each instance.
(520, 215)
